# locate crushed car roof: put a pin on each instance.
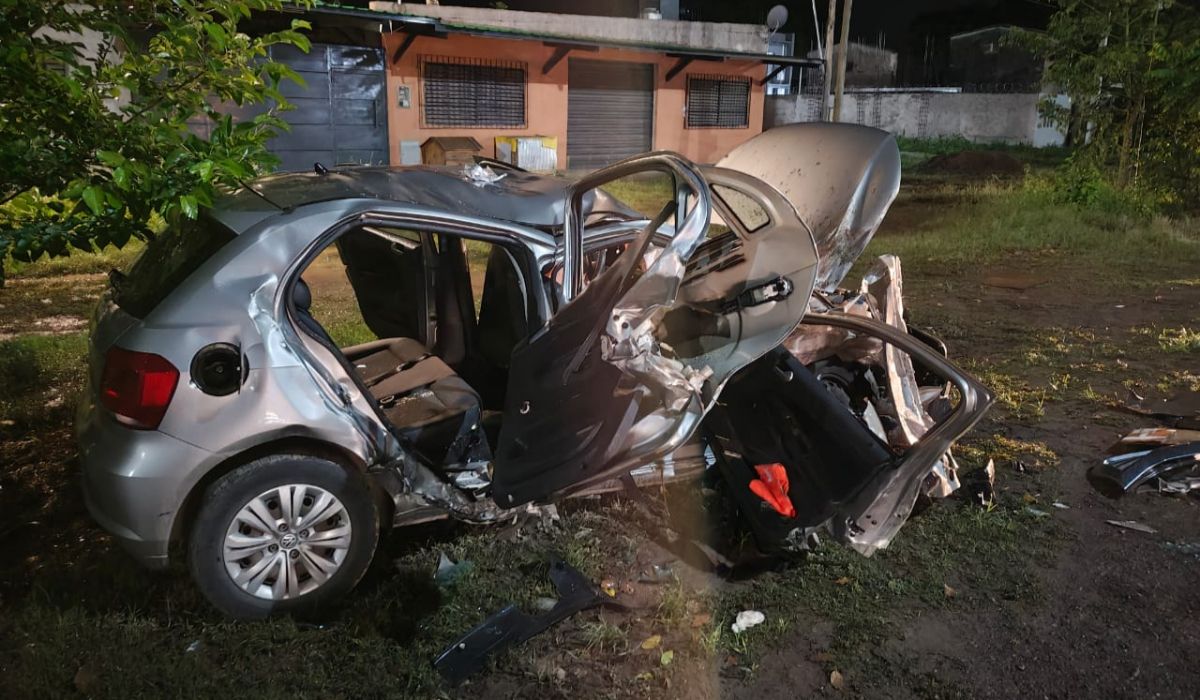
(526, 198)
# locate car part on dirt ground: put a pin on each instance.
(1179, 411)
(1126, 472)
(1132, 525)
(1145, 438)
(512, 626)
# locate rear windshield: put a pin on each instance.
(167, 261)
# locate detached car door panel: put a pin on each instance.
(627, 368)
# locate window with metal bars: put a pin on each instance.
(718, 101)
(472, 92)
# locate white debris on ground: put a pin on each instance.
(747, 619)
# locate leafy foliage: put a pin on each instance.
(1130, 68)
(95, 101)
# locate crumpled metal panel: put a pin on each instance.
(841, 178)
(674, 336)
(534, 200)
(884, 282)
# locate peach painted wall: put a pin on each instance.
(546, 95)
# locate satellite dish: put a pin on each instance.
(776, 17)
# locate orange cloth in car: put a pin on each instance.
(772, 486)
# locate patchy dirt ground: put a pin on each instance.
(1023, 599)
(1115, 614)
(975, 164)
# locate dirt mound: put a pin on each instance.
(975, 163)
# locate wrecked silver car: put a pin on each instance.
(600, 350)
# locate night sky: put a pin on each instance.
(897, 20)
(918, 30)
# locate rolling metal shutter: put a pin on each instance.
(610, 111)
(339, 115)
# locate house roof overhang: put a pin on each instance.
(415, 26)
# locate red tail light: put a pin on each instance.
(137, 387)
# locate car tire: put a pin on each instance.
(221, 543)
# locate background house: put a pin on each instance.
(383, 79)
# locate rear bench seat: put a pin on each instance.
(421, 396)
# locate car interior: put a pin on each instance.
(445, 314)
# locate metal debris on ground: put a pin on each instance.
(658, 573)
(1132, 525)
(1036, 512)
(979, 486)
(1124, 473)
(511, 626)
(1060, 505)
(747, 619)
(714, 557)
(1185, 484)
(1181, 411)
(1153, 437)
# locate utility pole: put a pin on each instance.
(841, 63)
(829, 19)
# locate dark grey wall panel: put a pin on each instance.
(306, 110)
(316, 85)
(356, 112)
(341, 116)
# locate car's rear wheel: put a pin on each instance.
(286, 533)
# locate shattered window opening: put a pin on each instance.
(748, 212)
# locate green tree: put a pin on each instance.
(1128, 67)
(95, 100)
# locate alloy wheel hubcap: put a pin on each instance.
(287, 541)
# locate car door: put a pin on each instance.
(625, 370)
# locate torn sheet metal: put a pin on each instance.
(871, 520)
(810, 344)
(1126, 472)
(1144, 438)
(661, 339)
(881, 297)
(1181, 485)
(884, 282)
(480, 175)
(511, 626)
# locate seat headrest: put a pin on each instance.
(302, 295)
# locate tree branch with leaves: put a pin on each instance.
(95, 105)
(1128, 67)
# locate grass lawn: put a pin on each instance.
(968, 602)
